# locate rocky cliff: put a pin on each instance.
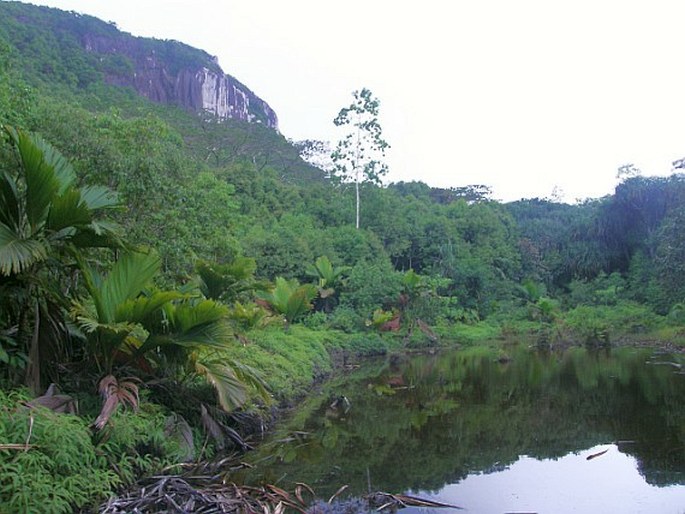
(166, 72)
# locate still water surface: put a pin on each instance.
(497, 432)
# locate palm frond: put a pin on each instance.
(10, 213)
(299, 302)
(127, 278)
(187, 315)
(216, 334)
(142, 308)
(99, 197)
(41, 178)
(67, 210)
(115, 392)
(62, 168)
(99, 234)
(250, 377)
(230, 390)
(18, 254)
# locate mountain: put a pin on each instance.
(81, 51)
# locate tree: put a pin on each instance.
(329, 278)
(128, 323)
(45, 220)
(289, 298)
(357, 156)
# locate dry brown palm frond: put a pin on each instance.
(212, 427)
(115, 392)
(180, 494)
(59, 403)
(298, 492)
(337, 493)
(176, 426)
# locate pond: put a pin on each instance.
(514, 431)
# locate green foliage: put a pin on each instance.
(371, 285)
(62, 472)
(62, 469)
(480, 332)
(602, 324)
(249, 316)
(289, 361)
(289, 298)
(329, 280)
(347, 319)
(126, 325)
(42, 207)
(228, 281)
(328, 276)
(45, 220)
(380, 318)
(603, 290)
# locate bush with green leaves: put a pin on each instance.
(347, 319)
(600, 324)
(49, 462)
(372, 285)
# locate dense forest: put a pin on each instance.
(174, 260)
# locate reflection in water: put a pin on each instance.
(494, 433)
(611, 484)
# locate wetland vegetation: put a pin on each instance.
(177, 278)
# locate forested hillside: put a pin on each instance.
(135, 237)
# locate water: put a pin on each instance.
(497, 432)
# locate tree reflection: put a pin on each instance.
(424, 422)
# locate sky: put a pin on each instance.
(532, 97)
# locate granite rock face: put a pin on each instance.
(172, 73)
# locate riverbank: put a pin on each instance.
(52, 457)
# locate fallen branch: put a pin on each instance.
(387, 500)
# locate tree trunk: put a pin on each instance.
(357, 190)
(32, 379)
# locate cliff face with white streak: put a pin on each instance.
(79, 50)
(196, 84)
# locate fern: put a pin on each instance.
(61, 470)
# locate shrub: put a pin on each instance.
(346, 319)
(59, 472)
(599, 324)
(62, 470)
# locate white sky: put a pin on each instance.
(523, 96)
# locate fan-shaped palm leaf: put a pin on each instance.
(230, 390)
(231, 380)
(226, 281)
(99, 197)
(290, 298)
(144, 309)
(18, 254)
(10, 214)
(127, 278)
(46, 174)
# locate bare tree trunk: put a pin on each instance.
(33, 368)
(357, 190)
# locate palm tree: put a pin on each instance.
(127, 323)
(44, 220)
(289, 298)
(329, 279)
(227, 281)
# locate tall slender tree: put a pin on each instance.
(358, 156)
